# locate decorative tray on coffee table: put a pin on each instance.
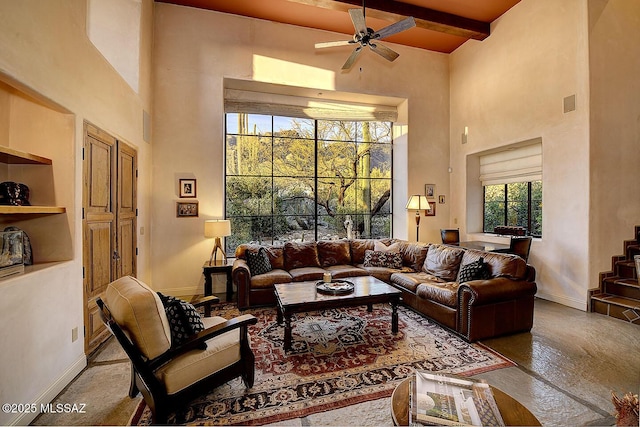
(335, 287)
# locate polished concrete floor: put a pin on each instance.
(567, 367)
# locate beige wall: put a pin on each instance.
(510, 88)
(46, 53)
(196, 50)
(614, 63)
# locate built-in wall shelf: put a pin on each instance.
(16, 157)
(43, 210)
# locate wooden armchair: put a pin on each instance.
(167, 376)
(519, 246)
(450, 236)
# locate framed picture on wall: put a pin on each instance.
(187, 188)
(432, 211)
(441, 199)
(187, 209)
(430, 191)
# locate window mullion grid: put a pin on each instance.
(506, 204)
(315, 178)
(273, 182)
(529, 203)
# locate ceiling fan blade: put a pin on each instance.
(385, 52)
(392, 29)
(352, 58)
(334, 44)
(357, 17)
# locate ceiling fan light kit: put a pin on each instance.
(365, 36)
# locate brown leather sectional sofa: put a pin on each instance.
(428, 278)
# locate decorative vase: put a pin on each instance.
(13, 193)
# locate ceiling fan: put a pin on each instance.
(365, 36)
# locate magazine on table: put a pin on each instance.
(451, 400)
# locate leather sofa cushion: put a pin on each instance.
(267, 280)
(410, 281)
(359, 246)
(190, 367)
(383, 273)
(343, 271)
(297, 255)
(275, 253)
(443, 261)
(500, 264)
(444, 293)
(306, 273)
(138, 310)
(413, 254)
(334, 252)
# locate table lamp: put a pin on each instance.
(217, 228)
(418, 202)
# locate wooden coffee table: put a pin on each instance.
(301, 297)
(513, 412)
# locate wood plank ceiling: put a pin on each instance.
(441, 25)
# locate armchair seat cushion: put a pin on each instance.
(191, 367)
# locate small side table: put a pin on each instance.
(217, 268)
(513, 412)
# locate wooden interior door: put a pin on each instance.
(109, 222)
(126, 243)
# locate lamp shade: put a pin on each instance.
(418, 202)
(217, 228)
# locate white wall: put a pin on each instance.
(510, 88)
(614, 60)
(46, 52)
(195, 50)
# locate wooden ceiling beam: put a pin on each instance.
(429, 19)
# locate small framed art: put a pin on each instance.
(430, 191)
(187, 188)
(432, 211)
(186, 209)
(441, 199)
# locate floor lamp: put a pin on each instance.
(217, 228)
(418, 203)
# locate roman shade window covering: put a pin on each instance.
(519, 164)
(240, 101)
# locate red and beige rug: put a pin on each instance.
(340, 357)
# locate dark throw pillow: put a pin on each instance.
(184, 319)
(258, 262)
(476, 270)
(382, 259)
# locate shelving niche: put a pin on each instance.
(14, 157)
(37, 148)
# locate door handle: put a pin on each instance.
(116, 256)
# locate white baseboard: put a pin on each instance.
(52, 391)
(561, 299)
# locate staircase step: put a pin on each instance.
(624, 287)
(626, 269)
(633, 249)
(627, 309)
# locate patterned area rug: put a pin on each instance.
(339, 358)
